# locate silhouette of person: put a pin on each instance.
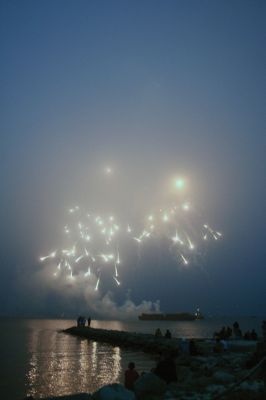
(168, 334)
(158, 332)
(193, 351)
(131, 375)
(166, 369)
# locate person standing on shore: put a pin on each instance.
(131, 375)
(193, 351)
(168, 334)
(158, 333)
(237, 330)
(166, 369)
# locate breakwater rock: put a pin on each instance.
(138, 341)
(208, 376)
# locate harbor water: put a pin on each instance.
(38, 359)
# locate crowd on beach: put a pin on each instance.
(166, 366)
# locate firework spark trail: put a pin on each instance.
(97, 241)
(92, 240)
(101, 247)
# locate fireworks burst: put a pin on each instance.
(92, 240)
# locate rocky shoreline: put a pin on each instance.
(137, 341)
(238, 373)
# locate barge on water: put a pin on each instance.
(182, 316)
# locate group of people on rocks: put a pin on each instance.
(224, 334)
(81, 321)
(227, 332)
(251, 335)
(165, 370)
(167, 335)
(220, 345)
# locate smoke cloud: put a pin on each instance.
(73, 296)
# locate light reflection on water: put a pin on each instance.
(39, 360)
(62, 364)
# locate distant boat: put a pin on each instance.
(183, 316)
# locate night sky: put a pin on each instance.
(154, 89)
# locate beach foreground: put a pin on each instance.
(238, 373)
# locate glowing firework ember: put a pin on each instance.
(180, 183)
(93, 241)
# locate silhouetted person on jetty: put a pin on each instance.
(247, 335)
(237, 330)
(166, 369)
(224, 334)
(193, 351)
(168, 334)
(229, 332)
(218, 347)
(81, 321)
(260, 351)
(158, 333)
(254, 335)
(236, 325)
(89, 321)
(224, 344)
(184, 346)
(131, 375)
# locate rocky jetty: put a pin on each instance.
(138, 341)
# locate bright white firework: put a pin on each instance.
(94, 239)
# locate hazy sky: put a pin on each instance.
(153, 88)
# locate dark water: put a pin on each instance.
(37, 359)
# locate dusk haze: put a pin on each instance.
(132, 175)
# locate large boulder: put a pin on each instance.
(149, 384)
(78, 396)
(184, 374)
(113, 392)
(253, 386)
(223, 377)
(215, 389)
